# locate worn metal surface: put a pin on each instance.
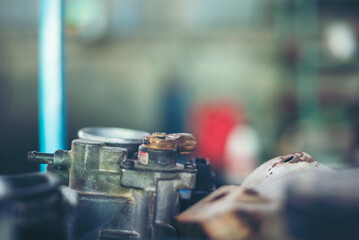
(121, 197)
(271, 178)
(159, 177)
(249, 211)
(205, 184)
(115, 137)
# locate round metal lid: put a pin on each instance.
(112, 135)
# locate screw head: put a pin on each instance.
(189, 165)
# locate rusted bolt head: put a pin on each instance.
(189, 165)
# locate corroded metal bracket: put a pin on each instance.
(184, 143)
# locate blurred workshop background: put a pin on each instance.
(252, 79)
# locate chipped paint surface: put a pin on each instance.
(270, 178)
(295, 158)
(250, 211)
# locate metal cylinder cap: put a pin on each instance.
(113, 135)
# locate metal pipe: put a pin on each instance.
(52, 102)
(43, 158)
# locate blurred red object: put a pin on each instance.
(212, 124)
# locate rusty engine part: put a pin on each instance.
(249, 211)
(271, 178)
(115, 137)
(323, 205)
(35, 206)
(122, 197)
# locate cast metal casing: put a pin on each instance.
(127, 197)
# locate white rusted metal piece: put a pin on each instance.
(252, 210)
(271, 178)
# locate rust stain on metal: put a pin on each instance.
(293, 158)
(184, 143)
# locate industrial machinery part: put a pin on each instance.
(115, 137)
(249, 211)
(323, 205)
(129, 139)
(159, 177)
(123, 197)
(205, 184)
(271, 178)
(35, 206)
